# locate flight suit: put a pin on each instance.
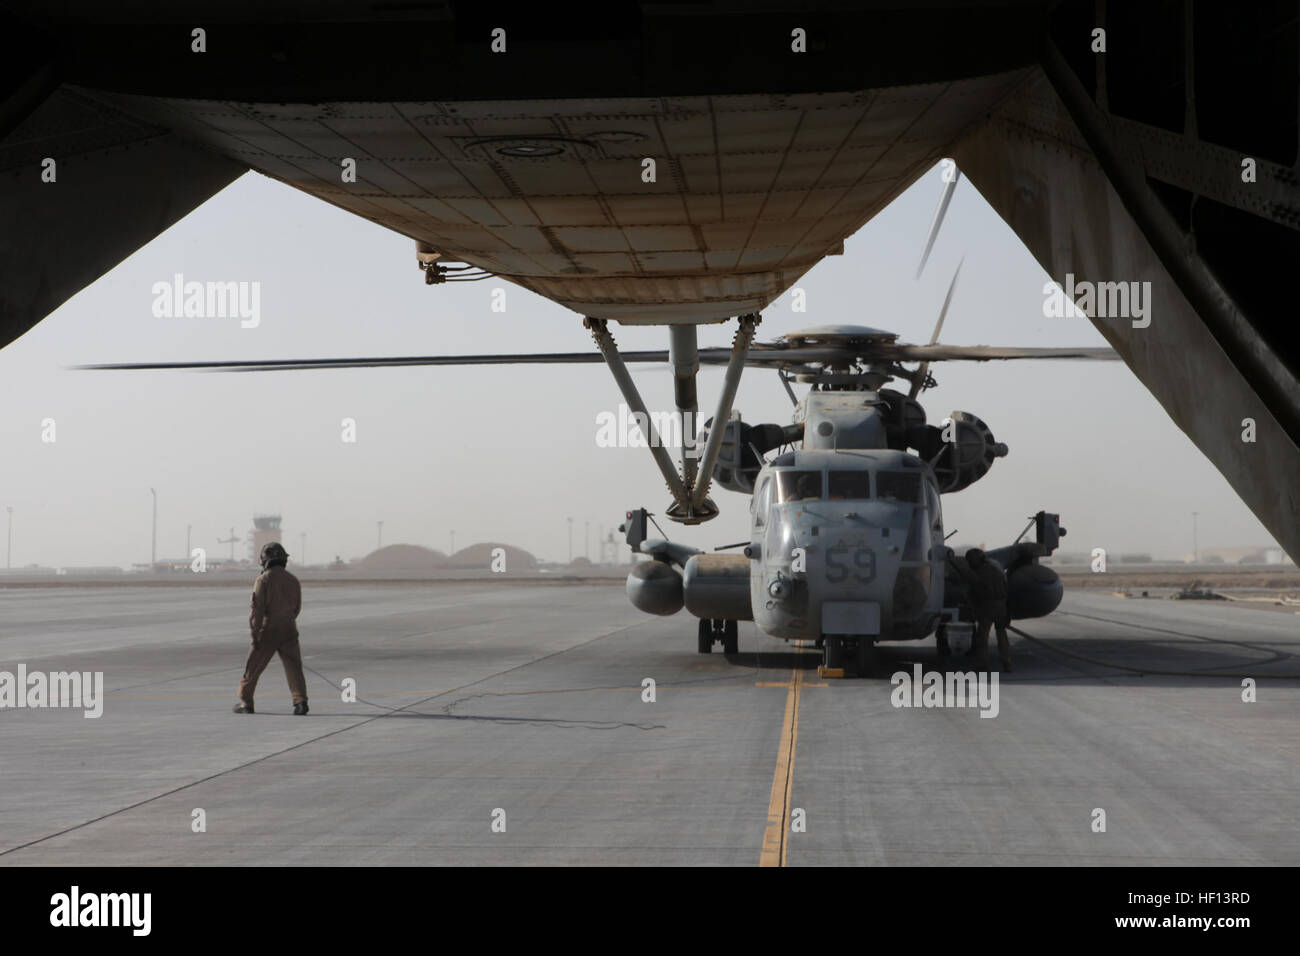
(989, 602)
(277, 599)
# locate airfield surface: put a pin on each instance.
(487, 703)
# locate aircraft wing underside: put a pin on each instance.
(746, 193)
(1169, 158)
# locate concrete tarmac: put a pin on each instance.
(486, 707)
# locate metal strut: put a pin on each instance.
(609, 349)
(735, 366)
(684, 356)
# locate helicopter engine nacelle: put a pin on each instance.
(742, 444)
(961, 448)
(717, 586)
(655, 588)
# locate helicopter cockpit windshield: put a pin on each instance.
(849, 486)
(806, 485)
(798, 486)
(898, 486)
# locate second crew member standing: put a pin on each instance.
(987, 589)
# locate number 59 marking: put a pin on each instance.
(864, 564)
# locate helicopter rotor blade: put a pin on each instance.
(919, 378)
(986, 353)
(947, 301)
(761, 356)
(939, 213)
(385, 361)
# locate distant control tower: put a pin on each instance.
(266, 528)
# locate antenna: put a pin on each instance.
(230, 541)
(1032, 520)
(656, 524)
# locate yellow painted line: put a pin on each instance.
(427, 692)
(778, 804)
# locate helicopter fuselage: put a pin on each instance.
(846, 543)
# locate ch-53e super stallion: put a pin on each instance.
(846, 544)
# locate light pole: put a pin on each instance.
(230, 541)
(1196, 551)
(153, 550)
(570, 540)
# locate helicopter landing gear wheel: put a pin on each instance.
(866, 656)
(705, 640)
(730, 637)
(833, 652)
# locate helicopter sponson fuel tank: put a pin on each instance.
(717, 586)
(1033, 590)
(709, 586)
(655, 587)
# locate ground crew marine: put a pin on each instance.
(987, 588)
(272, 622)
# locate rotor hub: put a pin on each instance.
(839, 336)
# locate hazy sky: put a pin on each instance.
(508, 454)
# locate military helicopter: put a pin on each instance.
(846, 530)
